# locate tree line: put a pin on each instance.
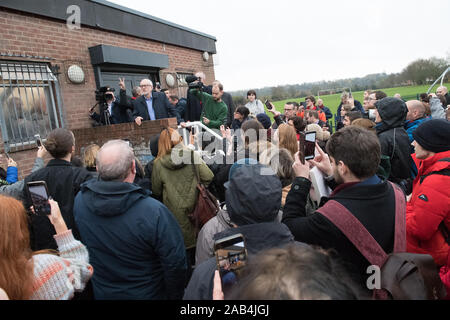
(418, 72)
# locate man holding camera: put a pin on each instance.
(194, 106)
(151, 105)
(110, 110)
(215, 111)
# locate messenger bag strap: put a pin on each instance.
(400, 220)
(196, 173)
(355, 232)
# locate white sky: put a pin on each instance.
(268, 43)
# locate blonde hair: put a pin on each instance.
(90, 155)
(168, 139)
(287, 138)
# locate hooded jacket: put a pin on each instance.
(205, 240)
(253, 200)
(135, 244)
(175, 182)
(258, 237)
(393, 138)
(428, 207)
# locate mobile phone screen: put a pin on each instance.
(268, 105)
(39, 198)
(231, 257)
(310, 145)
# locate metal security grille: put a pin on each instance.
(27, 100)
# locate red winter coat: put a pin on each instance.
(428, 207)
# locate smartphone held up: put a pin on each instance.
(38, 140)
(231, 257)
(39, 197)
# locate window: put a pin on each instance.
(27, 100)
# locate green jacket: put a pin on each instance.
(176, 184)
(216, 112)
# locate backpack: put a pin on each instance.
(404, 276)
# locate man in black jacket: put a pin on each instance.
(151, 105)
(194, 106)
(125, 101)
(255, 215)
(63, 182)
(390, 116)
(354, 155)
(111, 111)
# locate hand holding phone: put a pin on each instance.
(310, 145)
(38, 140)
(231, 257)
(268, 105)
(322, 162)
(301, 168)
(39, 197)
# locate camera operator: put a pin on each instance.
(194, 105)
(110, 111)
(214, 112)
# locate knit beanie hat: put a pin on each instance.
(264, 120)
(433, 135)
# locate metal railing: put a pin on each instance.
(441, 77)
(198, 127)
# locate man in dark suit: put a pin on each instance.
(151, 105)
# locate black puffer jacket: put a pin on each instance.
(393, 137)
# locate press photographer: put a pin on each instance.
(109, 109)
(194, 105)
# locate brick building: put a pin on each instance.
(50, 68)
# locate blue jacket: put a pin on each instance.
(135, 244)
(411, 126)
(11, 175)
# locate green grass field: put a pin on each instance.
(333, 101)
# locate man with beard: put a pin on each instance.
(214, 113)
(350, 167)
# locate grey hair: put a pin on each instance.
(116, 165)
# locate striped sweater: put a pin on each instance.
(58, 277)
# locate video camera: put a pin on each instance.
(101, 96)
(197, 85)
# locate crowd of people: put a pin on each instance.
(119, 230)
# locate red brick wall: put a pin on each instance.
(26, 34)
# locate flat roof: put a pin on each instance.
(138, 13)
(108, 16)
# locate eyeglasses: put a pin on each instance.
(145, 85)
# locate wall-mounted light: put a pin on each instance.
(205, 56)
(75, 74)
(170, 80)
